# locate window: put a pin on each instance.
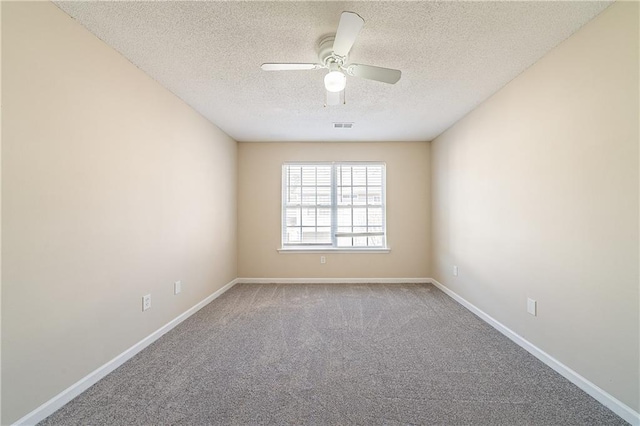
(333, 206)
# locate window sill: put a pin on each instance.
(332, 250)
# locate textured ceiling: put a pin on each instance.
(453, 55)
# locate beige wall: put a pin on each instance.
(535, 194)
(259, 211)
(112, 188)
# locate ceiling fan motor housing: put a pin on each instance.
(326, 54)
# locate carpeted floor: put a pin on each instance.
(334, 354)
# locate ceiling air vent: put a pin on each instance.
(342, 125)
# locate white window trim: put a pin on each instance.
(315, 250)
(333, 248)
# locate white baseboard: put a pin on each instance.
(49, 407)
(334, 280)
(606, 399)
(92, 378)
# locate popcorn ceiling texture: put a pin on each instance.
(453, 55)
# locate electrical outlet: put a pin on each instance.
(532, 307)
(177, 287)
(323, 259)
(455, 271)
(146, 302)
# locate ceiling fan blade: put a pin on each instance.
(289, 67)
(348, 29)
(385, 75)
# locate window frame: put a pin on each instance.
(334, 207)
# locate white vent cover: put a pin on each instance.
(342, 125)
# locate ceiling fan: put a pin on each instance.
(333, 54)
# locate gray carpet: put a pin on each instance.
(333, 354)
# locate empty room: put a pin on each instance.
(344, 213)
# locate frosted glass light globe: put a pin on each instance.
(335, 81)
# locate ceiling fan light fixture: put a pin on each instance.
(333, 55)
(335, 81)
